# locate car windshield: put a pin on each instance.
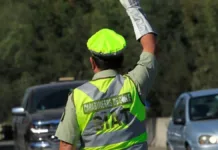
(50, 98)
(204, 108)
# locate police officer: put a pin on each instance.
(108, 112)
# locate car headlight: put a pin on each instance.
(207, 139)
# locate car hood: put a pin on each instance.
(47, 115)
(206, 126)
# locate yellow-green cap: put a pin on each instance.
(106, 42)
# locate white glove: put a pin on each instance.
(130, 3)
(138, 18)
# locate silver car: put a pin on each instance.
(194, 122)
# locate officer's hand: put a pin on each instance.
(130, 3)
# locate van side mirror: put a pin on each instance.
(179, 121)
(18, 111)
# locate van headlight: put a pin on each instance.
(39, 129)
(207, 139)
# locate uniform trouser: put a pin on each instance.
(141, 146)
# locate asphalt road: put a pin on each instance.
(8, 145)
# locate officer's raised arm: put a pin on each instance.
(143, 30)
(144, 73)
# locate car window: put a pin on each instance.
(179, 111)
(203, 108)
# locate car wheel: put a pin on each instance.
(168, 147)
(188, 147)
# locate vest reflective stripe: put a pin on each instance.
(122, 145)
(116, 136)
(104, 134)
(96, 94)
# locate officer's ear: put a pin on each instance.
(93, 64)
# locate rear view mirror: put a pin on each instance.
(18, 111)
(179, 121)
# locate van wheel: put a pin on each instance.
(27, 146)
(15, 148)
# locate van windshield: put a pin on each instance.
(203, 108)
(52, 99)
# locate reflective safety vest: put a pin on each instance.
(110, 114)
